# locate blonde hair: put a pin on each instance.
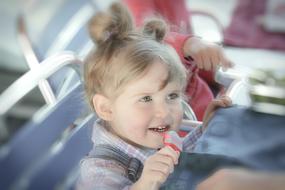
(123, 54)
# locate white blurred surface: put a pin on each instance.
(246, 57)
(10, 55)
(12, 59)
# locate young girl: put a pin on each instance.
(135, 84)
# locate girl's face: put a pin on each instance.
(145, 110)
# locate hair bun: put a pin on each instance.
(156, 28)
(98, 25)
(116, 22)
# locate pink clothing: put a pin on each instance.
(103, 174)
(245, 30)
(197, 89)
(174, 12)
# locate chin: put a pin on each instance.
(157, 146)
(152, 145)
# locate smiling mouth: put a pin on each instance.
(160, 129)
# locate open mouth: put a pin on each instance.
(160, 129)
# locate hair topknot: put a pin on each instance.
(113, 23)
(156, 28)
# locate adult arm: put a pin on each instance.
(237, 179)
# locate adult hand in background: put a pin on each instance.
(208, 56)
(223, 101)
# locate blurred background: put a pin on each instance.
(252, 33)
(40, 37)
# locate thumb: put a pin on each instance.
(210, 110)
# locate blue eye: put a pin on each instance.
(173, 96)
(146, 99)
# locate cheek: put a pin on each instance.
(134, 127)
(177, 115)
(139, 119)
(134, 120)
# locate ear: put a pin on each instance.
(102, 106)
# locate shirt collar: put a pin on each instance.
(101, 135)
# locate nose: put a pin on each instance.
(162, 110)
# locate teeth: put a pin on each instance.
(159, 129)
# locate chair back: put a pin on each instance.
(59, 167)
(35, 138)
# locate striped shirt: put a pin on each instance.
(96, 173)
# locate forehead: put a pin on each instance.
(154, 79)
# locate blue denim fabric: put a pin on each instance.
(256, 139)
(236, 136)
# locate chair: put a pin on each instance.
(54, 168)
(238, 91)
(32, 78)
(65, 29)
(35, 138)
(64, 26)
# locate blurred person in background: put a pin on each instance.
(200, 57)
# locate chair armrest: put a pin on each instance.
(32, 78)
(209, 15)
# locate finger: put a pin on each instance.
(207, 61)
(153, 178)
(207, 119)
(208, 115)
(226, 100)
(218, 57)
(158, 177)
(224, 61)
(221, 103)
(211, 108)
(170, 152)
(215, 103)
(215, 61)
(198, 59)
(166, 160)
(199, 62)
(162, 167)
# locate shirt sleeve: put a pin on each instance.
(190, 140)
(102, 174)
(177, 40)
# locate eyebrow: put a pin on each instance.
(142, 93)
(149, 92)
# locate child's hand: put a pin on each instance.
(207, 55)
(223, 101)
(156, 169)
